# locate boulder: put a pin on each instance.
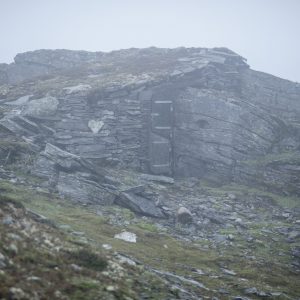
(80, 189)
(126, 236)
(139, 204)
(74, 177)
(184, 216)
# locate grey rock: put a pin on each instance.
(2, 264)
(13, 248)
(107, 246)
(223, 291)
(139, 204)
(230, 237)
(220, 238)
(161, 179)
(95, 125)
(14, 237)
(82, 190)
(78, 233)
(65, 227)
(20, 101)
(126, 260)
(294, 235)
(73, 176)
(184, 216)
(75, 267)
(8, 220)
(17, 294)
(228, 272)
(126, 236)
(77, 88)
(2, 261)
(2, 257)
(43, 107)
(275, 294)
(182, 279)
(33, 278)
(250, 291)
(139, 189)
(263, 294)
(232, 196)
(296, 252)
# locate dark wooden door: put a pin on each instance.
(161, 137)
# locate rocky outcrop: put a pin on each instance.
(177, 112)
(279, 173)
(31, 65)
(74, 177)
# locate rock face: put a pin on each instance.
(72, 176)
(177, 112)
(43, 107)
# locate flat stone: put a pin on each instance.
(228, 272)
(162, 179)
(126, 236)
(77, 88)
(135, 189)
(139, 204)
(82, 190)
(250, 291)
(107, 246)
(20, 101)
(126, 260)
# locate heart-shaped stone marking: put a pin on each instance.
(95, 125)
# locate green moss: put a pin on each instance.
(291, 157)
(7, 199)
(242, 190)
(88, 259)
(125, 213)
(14, 145)
(146, 226)
(86, 284)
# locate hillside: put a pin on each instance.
(190, 152)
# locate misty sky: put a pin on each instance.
(266, 32)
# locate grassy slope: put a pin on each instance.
(268, 271)
(46, 263)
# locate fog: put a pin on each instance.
(266, 32)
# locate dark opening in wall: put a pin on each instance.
(203, 124)
(93, 97)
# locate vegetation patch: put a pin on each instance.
(88, 259)
(265, 266)
(290, 157)
(242, 190)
